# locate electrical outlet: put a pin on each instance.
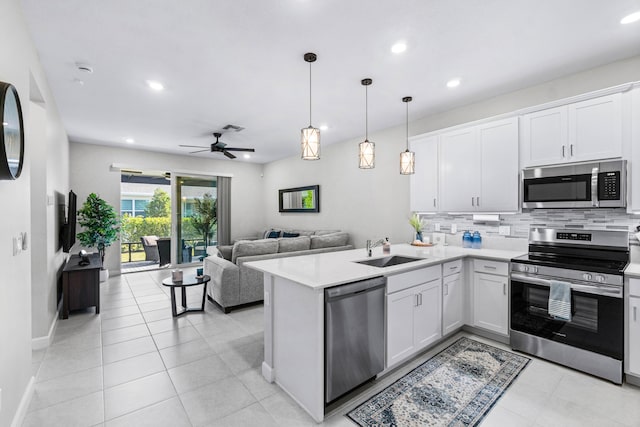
(436, 226)
(504, 230)
(454, 229)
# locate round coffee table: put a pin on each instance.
(187, 280)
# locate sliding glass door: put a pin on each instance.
(197, 217)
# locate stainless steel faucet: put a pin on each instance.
(370, 245)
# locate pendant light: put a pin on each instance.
(407, 158)
(310, 136)
(367, 149)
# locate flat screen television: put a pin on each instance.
(68, 228)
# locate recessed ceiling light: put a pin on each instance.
(129, 140)
(453, 83)
(157, 86)
(247, 156)
(399, 47)
(631, 18)
(5, 124)
(324, 127)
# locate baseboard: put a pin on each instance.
(39, 343)
(21, 412)
(268, 372)
(632, 379)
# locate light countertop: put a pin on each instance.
(633, 269)
(323, 270)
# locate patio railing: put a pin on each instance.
(129, 251)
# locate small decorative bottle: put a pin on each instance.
(476, 242)
(466, 239)
(386, 246)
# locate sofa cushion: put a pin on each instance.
(323, 232)
(271, 234)
(292, 244)
(287, 234)
(254, 247)
(329, 240)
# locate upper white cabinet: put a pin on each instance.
(424, 183)
(634, 175)
(582, 131)
(479, 168)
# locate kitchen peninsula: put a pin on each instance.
(294, 306)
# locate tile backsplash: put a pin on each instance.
(598, 219)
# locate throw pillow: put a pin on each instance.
(285, 234)
(272, 234)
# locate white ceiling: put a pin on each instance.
(241, 62)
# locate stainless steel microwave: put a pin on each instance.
(582, 185)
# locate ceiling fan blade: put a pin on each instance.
(199, 151)
(251, 150)
(229, 155)
(192, 146)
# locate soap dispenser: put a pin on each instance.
(386, 246)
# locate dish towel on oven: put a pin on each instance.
(560, 300)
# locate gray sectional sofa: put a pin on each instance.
(233, 284)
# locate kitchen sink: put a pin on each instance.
(389, 261)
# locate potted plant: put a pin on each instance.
(416, 223)
(101, 227)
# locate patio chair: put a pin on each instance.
(150, 245)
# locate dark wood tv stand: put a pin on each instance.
(81, 284)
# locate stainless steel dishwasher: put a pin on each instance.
(354, 335)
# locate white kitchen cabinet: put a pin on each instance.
(582, 131)
(413, 320)
(491, 296)
(634, 174)
(633, 328)
(459, 170)
(424, 182)
(479, 168)
(452, 310)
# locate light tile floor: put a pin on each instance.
(134, 365)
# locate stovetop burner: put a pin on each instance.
(597, 251)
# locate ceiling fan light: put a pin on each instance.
(407, 162)
(367, 154)
(310, 138)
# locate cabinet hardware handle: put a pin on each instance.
(490, 267)
(478, 201)
(434, 202)
(472, 202)
(420, 295)
(563, 151)
(417, 299)
(446, 290)
(452, 268)
(571, 149)
(634, 313)
(504, 288)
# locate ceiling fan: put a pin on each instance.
(218, 147)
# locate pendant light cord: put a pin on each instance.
(366, 113)
(407, 126)
(309, 94)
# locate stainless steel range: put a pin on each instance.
(567, 301)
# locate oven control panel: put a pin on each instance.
(585, 237)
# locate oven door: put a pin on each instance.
(596, 314)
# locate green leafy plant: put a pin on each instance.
(100, 223)
(205, 216)
(415, 222)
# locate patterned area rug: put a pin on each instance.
(456, 387)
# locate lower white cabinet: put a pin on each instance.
(452, 313)
(491, 296)
(413, 320)
(633, 328)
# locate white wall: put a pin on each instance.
(19, 58)
(90, 171)
(375, 203)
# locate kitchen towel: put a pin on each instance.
(560, 300)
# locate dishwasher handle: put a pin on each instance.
(341, 291)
